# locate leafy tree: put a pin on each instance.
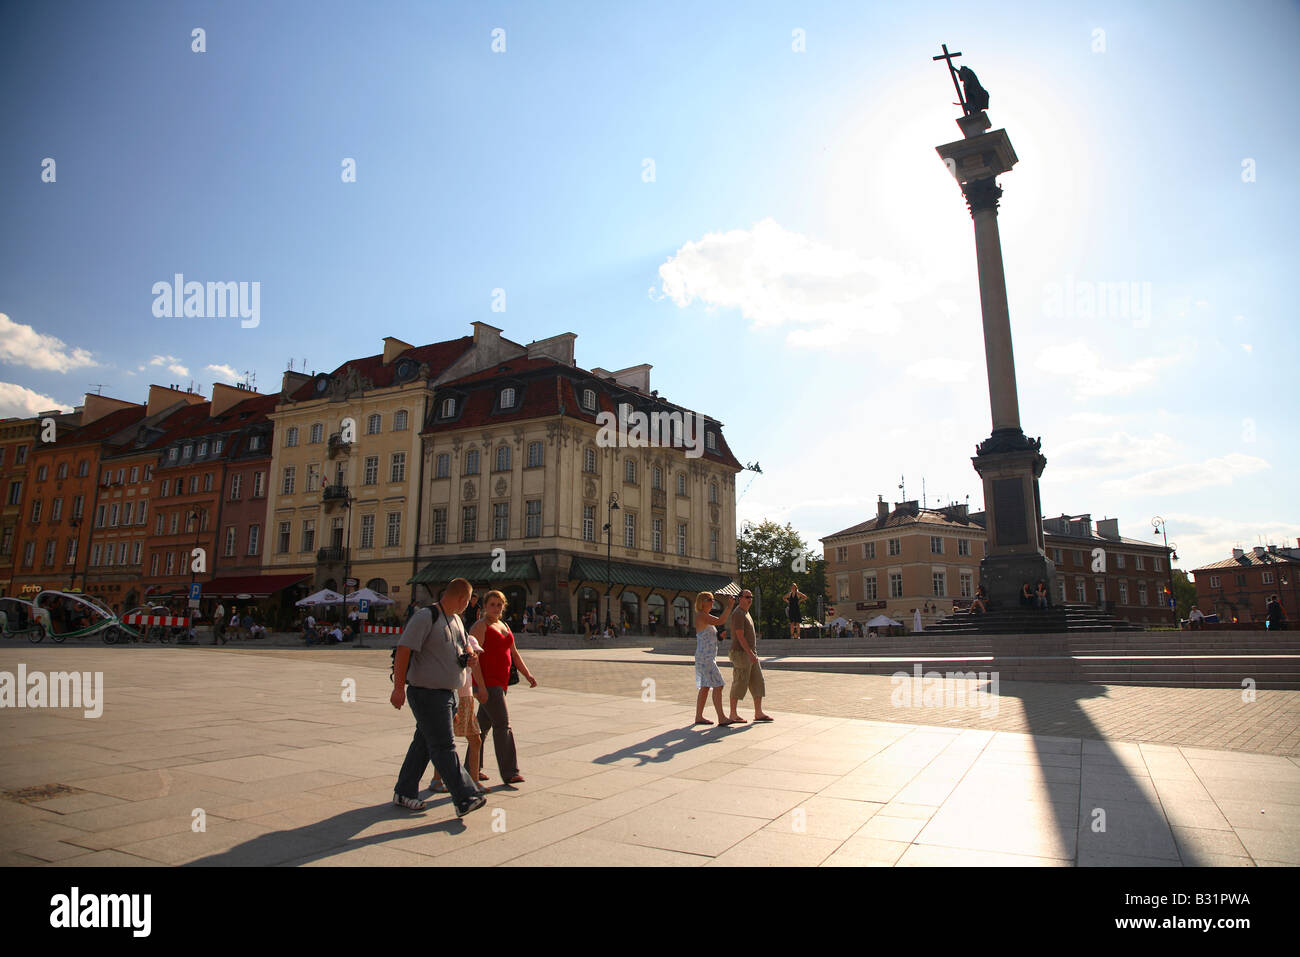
(1184, 593)
(770, 557)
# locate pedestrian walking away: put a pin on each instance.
(792, 610)
(707, 676)
(499, 652)
(429, 671)
(746, 672)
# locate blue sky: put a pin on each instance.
(800, 265)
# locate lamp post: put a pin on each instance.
(1171, 555)
(609, 551)
(195, 514)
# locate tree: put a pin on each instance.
(770, 557)
(1184, 593)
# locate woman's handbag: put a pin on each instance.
(514, 674)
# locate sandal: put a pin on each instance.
(703, 721)
(516, 779)
(411, 804)
(437, 787)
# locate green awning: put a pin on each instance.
(592, 570)
(476, 569)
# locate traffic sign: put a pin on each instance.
(196, 591)
(363, 608)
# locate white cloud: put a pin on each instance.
(1092, 377)
(23, 345)
(1191, 475)
(1085, 457)
(775, 277)
(172, 363)
(940, 369)
(17, 400)
(1203, 539)
(224, 371)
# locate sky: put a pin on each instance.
(744, 195)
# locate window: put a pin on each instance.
(503, 459)
(629, 471)
(207, 481)
(29, 554)
(963, 546)
(367, 531)
(1157, 564)
(121, 553)
(895, 548)
(83, 468)
(841, 553)
(868, 549)
(371, 471)
(171, 563)
(236, 486)
(56, 510)
(194, 484)
(283, 545)
(79, 506)
(49, 551)
(469, 523)
(96, 554)
(165, 488)
(254, 533)
(1241, 581)
(439, 526)
(1137, 562)
(148, 472)
(1142, 593)
(1060, 590)
(158, 524)
(967, 584)
(1123, 593)
(188, 451)
(72, 551)
(399, 420)
(936, 545)
(291, 437)
(373, 424)
(61, 472)
(657, 534)
(189, 522)
(42, 473)
(308, 535)
(441, 466)
(286, 487)
(230, 541)
(681, 484)
(534, 455)
(127, 509)
(939, 583)
(1119, 560)
(507, 398)
(533, 518)
(36, 512)
(471, 462)
(1056, 557)
(710, 441)
(203, 449)
(657, 478)
(254, 443)
(713, 492)
(895, 584)
(713, 544)
(121, 476)
(313, 477)
(1214, 581)
(317, 433)
(589, 460)
(153, 564)
(15, 493)
(588, 523)
(7, 541)
(100, 514)
(629, 530)
(501, 520)
(1080, 590)
(2, 455)
(589, 400)
(1268, 576)
(397, 471)
(869, 587)
(448, 408)
(136, 552)
(842, 589)
(681, 538)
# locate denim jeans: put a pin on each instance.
(434, 711)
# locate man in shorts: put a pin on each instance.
(746, 672)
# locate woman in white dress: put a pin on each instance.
(707, 675)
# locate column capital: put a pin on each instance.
(982, 194)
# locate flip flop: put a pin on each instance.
(736, 720)
(728, 722)
(765, 718)
(702, 721)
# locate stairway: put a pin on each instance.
(1021, 621)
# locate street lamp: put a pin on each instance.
(195, 514)
(609, 550)
(1171, 556)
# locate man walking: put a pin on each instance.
(746, 672)
(219, 624)
(432, 656)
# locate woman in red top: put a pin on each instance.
(499, 652)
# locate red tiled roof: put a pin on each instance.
(439, 355)
(102, 428)
(1250, 560)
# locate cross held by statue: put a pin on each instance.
(952, 71)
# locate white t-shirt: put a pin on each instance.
(337, 633)
(311, 622)
(467, 689)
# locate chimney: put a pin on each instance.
(1272, 549)
(98, 406)
(1260, 550)
(224, 396)
(292, 381)
(1108, 528)
(162, 397)
(394, 348)
(1237, 553)
(559, 348)
(882, 509)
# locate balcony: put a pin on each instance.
(331, 555)
(658, 498)
(335, 493)
(337, 446)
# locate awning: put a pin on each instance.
(477, 570)
(255, 586)
(592, 570)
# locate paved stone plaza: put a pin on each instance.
(287, 772)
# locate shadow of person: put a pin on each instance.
(663, 747)
(331, 836)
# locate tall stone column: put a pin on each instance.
(1008, 462)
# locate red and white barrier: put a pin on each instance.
(381, 630)
(169, 621)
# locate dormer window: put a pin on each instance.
(188, 451)
(507, 398)
(710, 441)
(589, 400)
(173, 454)
(254, 443)
(448, 408)
(220, 443)
(203, 447)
